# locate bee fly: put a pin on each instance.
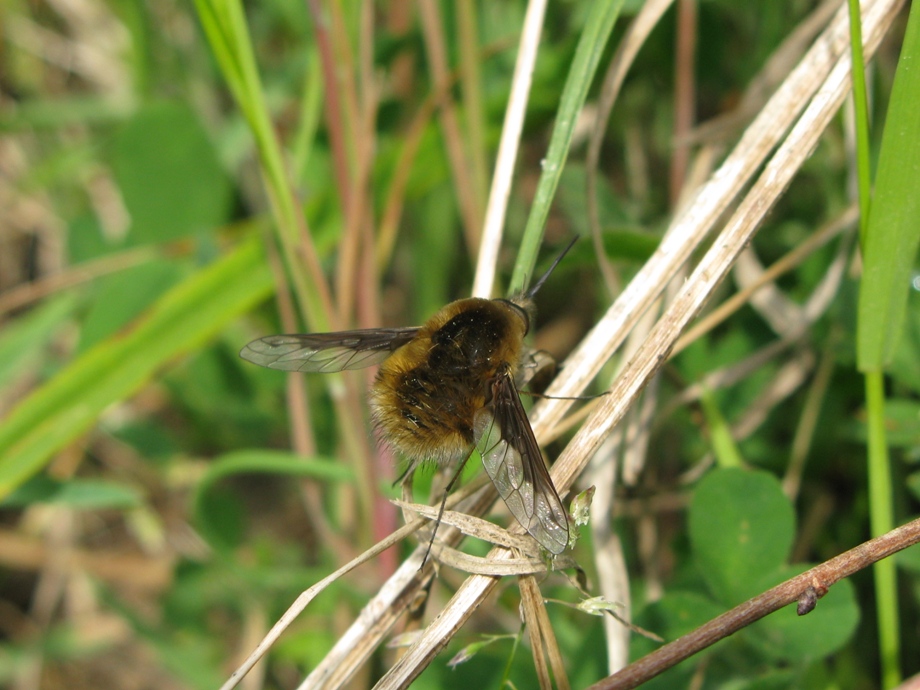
(445, 388)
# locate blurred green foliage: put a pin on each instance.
(134, 267)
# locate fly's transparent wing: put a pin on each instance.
(513, 460)
(327, 352)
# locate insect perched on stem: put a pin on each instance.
(445, 388)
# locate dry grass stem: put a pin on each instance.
(542, 639)
(476, 565)
(507, 150)
(29, 293)
(475, 527)
(724, 250)
(795, 257)
(612, 573)
(308, 595)
(808, 422)
(691, 229)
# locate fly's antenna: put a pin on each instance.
(533, 291)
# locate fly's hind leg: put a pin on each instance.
(447, 489)
(405, 479)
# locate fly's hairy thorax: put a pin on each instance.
(427, 393)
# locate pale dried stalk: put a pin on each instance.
(542, 638)
(693, 226)
(413, 562)
(609, 561)
(802, 251)
(474, 527)
(382, 612)
(737, 234)
(507, 150)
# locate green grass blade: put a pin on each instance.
(187, 316)
(889, 243)
(260, 461)
(22, 340)
(224, 24)
(599, 24)
(861, 117)
(881, 512)
(890, 248)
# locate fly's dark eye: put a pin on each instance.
(526, 317)
(522, 312)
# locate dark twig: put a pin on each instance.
(805, 589)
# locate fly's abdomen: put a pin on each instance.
(425, 415)
(427, 394)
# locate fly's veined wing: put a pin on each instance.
(327, 352)
(513, 460)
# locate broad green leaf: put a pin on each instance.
(890, 249)
(188, 315)
(170, 177)
(123, 296)
(741, 527)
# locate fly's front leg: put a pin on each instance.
(537, 370)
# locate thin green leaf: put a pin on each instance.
(890, 249)
(86, 494)
(22, 340)
(599, 24)
(188, 315)
(224, 23)
(260, 462)
(727, 453)
(265, 461)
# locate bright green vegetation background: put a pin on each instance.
(154, 519)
